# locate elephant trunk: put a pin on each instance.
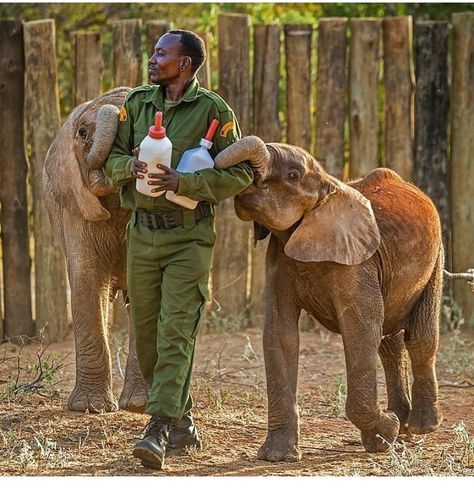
(106, 128)
(250, 148)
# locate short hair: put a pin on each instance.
(193, 46)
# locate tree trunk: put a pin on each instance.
(399, 93)
(87, 66)
(331, 90)
(13, 172)
(43, 120)
(298, 84)
(127, 57)
(231, 255)
(462, 156)
(363, 77)
(432, 171)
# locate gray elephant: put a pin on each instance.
(365, 259)
(85, 214)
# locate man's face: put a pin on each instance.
(165, 63)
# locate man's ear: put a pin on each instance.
(341, 229)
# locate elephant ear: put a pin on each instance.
(62, 176)
(341, 229)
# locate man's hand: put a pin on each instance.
(168, 180)
(138, 167)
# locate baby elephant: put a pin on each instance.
(365, 259)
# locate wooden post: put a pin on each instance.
(432, 172)
(43, 120)
(13, 171)
(331, 91)
(363, 76)
(127, 56)
(399, 93)
(266, 125)
(266, 79)
(231, 254)
(298, 84)
(154, 30)
(462, 156)
(204, 74)
(87, 66)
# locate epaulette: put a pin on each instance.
(143, 88)
(217, 99)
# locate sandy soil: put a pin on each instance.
(38, 436)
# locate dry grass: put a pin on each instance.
(38, 436)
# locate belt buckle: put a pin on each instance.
(169, 220)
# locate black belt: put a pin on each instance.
(172, 219)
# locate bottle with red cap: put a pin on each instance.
(193, 160)
(155, 148)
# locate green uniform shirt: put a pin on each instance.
(186, 123)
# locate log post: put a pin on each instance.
(154, 30)
(266, 125)
(87, 66)
(399, 93)
(13, 172)
(127, 56)
(266, 79)
(204, 73)
(331, 88)
(432, 172)
(462, 156)
(42, 121)
(298, 84)
(230, 273)
(364, 68)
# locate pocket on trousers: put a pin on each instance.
(204, 290)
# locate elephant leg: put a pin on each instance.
(281, 353)
(90, 308)
(361, 328)
(394, 358)
(421, 339)
(135, 390)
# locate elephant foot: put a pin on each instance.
(385, 432)
(277, 448)
(425, 418)
(92, 401)
(134, 396)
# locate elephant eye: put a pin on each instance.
(83, 132)
(293, 176)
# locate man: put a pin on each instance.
(169, 248)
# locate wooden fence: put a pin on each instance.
(365, 102)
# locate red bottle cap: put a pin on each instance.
(157, 131)
(212, 130)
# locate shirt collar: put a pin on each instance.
(157, 94)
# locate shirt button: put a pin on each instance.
(149, 199)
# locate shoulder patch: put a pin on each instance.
(122, 114)
(226, 128)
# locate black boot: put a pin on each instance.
(152, 448)
(183, 434)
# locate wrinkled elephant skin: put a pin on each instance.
(86, 217)
(365, 259)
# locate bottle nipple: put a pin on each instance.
(157, 131)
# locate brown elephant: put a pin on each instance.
(86, 216)
(365, 259)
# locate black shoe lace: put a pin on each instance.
(154, 427)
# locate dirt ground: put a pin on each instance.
(39, 436)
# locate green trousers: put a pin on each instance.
(167, 280)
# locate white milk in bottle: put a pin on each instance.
(155, 148)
